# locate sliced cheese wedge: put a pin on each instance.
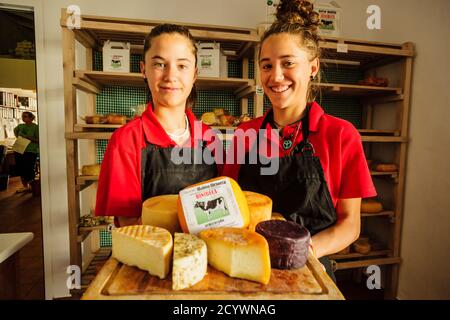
(190, 260)
(260, 208)
(146, 247)
(162, 211)
(239, 253)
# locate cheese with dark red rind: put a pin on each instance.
(288, 243)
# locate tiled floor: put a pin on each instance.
(22, 213)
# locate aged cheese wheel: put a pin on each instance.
(146, 247)
(386, 167)
(362, 246)
(190, 260)
(95, 119)
(209, 118)
(91, 170)
(116, 119)
(277, 216)
(260, 208)
(239, 253)
(162, 211)
(371, 206)
(218, 112)
(210, 204)
(288, 243)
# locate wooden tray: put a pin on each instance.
(118, 281)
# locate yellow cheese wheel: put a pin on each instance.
(277, 216)
(91, 170)
(241, 201)
(371, 206)
(260, 208)
(162, 211)
(239, 253)
(209, 118)
(362, 246)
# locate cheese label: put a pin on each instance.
(210, 205)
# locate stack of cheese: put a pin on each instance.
(219, 212)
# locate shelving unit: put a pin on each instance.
(91, 35)
(393, 61)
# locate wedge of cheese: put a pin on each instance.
(146, 247)
(190, 260)
(239, 253)
(215, 203)
(162, 211)
(260, 208)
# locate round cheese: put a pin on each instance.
(371, 206)
(288, 243)
(161, 211)
(277, 216)
(260, 208)
(91, 170)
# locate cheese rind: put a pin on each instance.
(239, 253)
(162, 211)
(146, 247)
(260, 208)
(198, 197)
(190, 260)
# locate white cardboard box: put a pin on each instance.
(330, 18)
(211, 62)
(116, 56)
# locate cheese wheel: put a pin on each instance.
(190, 260)
(371, 206)
(91, 170)
(218, 202)
(386, 167)
(162, 211)
(260, 208)
(362, 246)
(277, 216)
(146, 247)
(239, 253)
(288, 243)
(209, 118)
(116, 119)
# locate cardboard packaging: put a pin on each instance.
(116, 56)
(211, 62)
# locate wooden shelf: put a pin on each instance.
(378, 174)
(82, 180)
(83, 230)
(354, 255)
(88, 135)
(379, 132)
(93, 81)
(356, 90)
(366, 263)
(79, 127)
(379, 214)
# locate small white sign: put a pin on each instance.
(259, 91)
(210, 205)
(342, 47)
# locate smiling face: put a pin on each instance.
(170, 69)
(285, 70)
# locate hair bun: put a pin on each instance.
(299, 12)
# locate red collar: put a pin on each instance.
(315, 114)
(155, 133)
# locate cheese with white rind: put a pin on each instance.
(190, 260)
(146, 247)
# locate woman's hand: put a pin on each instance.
(344, 232)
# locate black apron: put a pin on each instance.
(160, 175)
(298, 190)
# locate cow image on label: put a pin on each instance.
(208, 206)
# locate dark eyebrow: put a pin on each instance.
(280, 57)
(161, 58)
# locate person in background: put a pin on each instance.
(323, 173)
(138, 162)
(26, 162)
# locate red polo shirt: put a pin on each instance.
(119, 190)
(338, 145)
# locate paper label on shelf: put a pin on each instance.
(342, 47)
(259, 91)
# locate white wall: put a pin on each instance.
(425, 241)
